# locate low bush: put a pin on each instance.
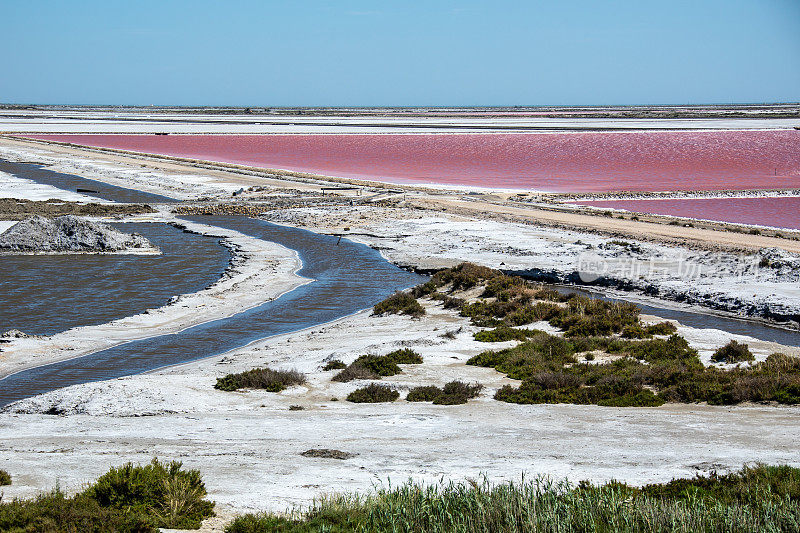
(400, 303)
(355, 371)
(661, 328)
(424, 393)
(377, 366)
(505, 333)
(128, 499)
(334, 364)
(373, 393)
(261, 378)
(381, 365)
(761, 498)
(453, 393)
(733, 352)
(457, 392)
(405, 356)
(5, 478)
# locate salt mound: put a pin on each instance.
(68, 234)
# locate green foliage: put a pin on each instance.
(5, 478)
(648, 373)
(405, 356)
(662, 328)
(355, 371)
(376, 366)
(400, 303)
(505, 333)
(261, 378)
(373, 393)
(756, 499)
(453, 393)
(733, 352)
(753, 485)
(425, 393)
(334, 364)
(381, 365)
(588, 317)
(128, 499)
(457, 392)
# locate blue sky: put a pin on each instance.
(427, 52)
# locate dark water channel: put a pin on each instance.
(737, 326)
(347, 277)
(47, 294)
(88, 187)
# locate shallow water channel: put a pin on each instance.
(347, 277)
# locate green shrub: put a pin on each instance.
(662, 328)
(733, 352)
(404, 356)
(381, 365)
(376, 366)
(128, 499)
(334, 364)
(457, 392)
(400, 303)
(424, 393)
(505, 333)
(261, 378)
(5, 478)
(590, 317)
(55, 513)
(373, 393)
(355, 371)
(635, 331)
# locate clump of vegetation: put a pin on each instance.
(377, 366)
(355, 371)
(400, 303)
(504, 333)
(661, 328)
(425, 393)
(453, 393)
(457, 392)
(134, 499)
(373, 393)
(334, 364)
(646, 373)
(585, 317)
(261, 378)
(405, 356)
(761, 498)
(733, 352)
(5, 478)
(638, 331)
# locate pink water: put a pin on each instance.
(780, 212)
(561, 162)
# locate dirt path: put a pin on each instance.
(706, 238)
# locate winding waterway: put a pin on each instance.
(347, 277)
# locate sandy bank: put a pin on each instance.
(259, 271)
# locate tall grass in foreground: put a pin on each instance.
(761, 499)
